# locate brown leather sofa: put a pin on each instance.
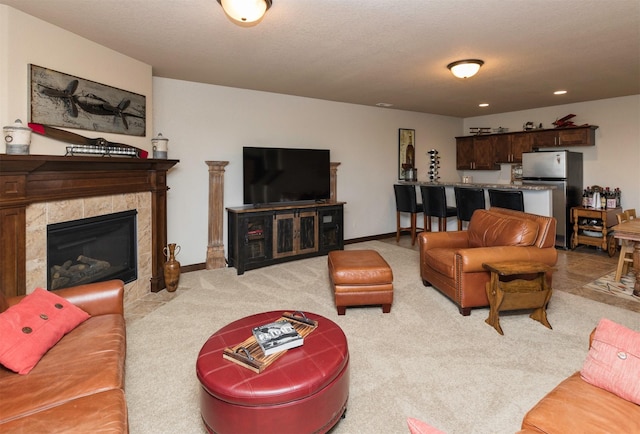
(575, 406)
(78, 385)
(452, 261)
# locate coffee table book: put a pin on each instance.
(249, 354)
(277, 336)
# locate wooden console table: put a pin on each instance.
(517, 293)
(28, 179)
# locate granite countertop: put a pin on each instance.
(513, 186)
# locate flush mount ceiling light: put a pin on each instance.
(245, 12)
(465, 68)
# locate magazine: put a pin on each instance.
(277, 336)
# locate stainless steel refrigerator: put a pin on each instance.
(562, 169)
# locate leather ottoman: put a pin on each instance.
(304, 391)
(360, 278)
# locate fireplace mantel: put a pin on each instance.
(28, 179)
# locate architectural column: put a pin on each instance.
(334, 182)
(215, 247)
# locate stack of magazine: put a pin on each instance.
(268, 342)
(277, 336)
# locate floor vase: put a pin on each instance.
(171, 267)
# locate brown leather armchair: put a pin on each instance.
(452, 262)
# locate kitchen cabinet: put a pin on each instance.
(487, 151)
(510, 147)
(576, 136)
(476, 153)
(261, 236)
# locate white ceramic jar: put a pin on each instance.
(17, 138)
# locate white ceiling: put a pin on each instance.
(371, 51)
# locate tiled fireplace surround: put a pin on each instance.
(39, 215)
(37, 190)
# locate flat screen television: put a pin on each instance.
(274, 175)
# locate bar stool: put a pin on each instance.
(406, 203)
(468, 200)
(510, 199)
(434, 201)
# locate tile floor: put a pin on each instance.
(575, 268)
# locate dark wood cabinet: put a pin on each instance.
(519, 144)
(330, 229)
(509, 147)
(264, 236)
(486, 152)
(475, 153)
(576, 136)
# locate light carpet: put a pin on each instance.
(608, 285)
(422, 360)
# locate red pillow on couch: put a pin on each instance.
(30, 328)
(613, 361)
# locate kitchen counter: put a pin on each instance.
(537, 198)
(513, 186)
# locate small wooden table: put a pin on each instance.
(512, 288)
(630, 232)
(606, 218)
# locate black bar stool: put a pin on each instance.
(468, 199)
(406, 202)
(434, 201)
(510, 199)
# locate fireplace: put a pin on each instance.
(92, 249)
(37, 190)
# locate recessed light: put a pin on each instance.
(559, 92)
(384, 104)
(484, 104)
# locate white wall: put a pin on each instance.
(613, 162)
(25, 39)
(205, 122)
(213, 123)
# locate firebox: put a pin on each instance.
(93, 249)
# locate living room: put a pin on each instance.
(202, 123)
(206, 122)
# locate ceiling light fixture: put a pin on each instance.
(245, 12)
(484, 104)
(465, 68)
(559, 92)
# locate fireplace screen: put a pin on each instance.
(92, 250)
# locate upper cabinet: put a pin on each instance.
(487, 151)
(475, 153)
(576, 136)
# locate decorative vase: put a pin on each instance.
(171, 267)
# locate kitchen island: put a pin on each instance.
(537, 198)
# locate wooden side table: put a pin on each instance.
(517, 285)
(604, 239)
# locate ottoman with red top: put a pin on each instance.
(304, 391)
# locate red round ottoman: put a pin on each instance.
(304, 391)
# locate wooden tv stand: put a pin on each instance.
(270, 234)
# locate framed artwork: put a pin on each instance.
(63, 100)
(406, 151)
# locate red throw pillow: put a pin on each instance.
(613, 361)
(419, 427)
(30, 328)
